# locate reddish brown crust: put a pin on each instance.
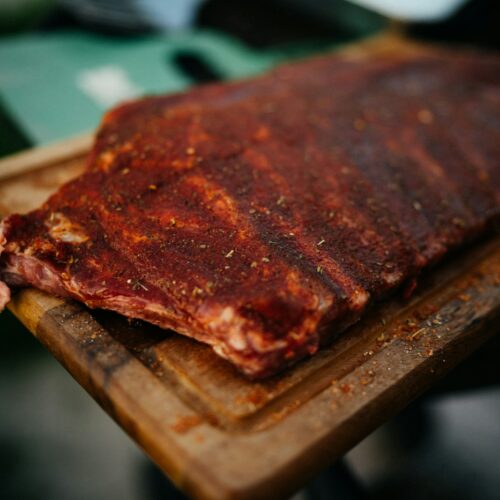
(253, 215)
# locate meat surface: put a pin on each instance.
(264, 215)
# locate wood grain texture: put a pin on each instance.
(40, 158)
(216, 434)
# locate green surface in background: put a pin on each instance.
(41, 74)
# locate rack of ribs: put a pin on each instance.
(263, 216)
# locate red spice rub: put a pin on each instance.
(258, 215)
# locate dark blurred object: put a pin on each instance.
(478, 371)
(22, 349)
(476, 23)
(195, 67)
(12, 139)
(17, 15)
(262, 23)
(336, 482)
(265, 23)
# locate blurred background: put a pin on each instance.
(62, 64)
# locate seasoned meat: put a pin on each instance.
(264, 215)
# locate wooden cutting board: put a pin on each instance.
(218, 435)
